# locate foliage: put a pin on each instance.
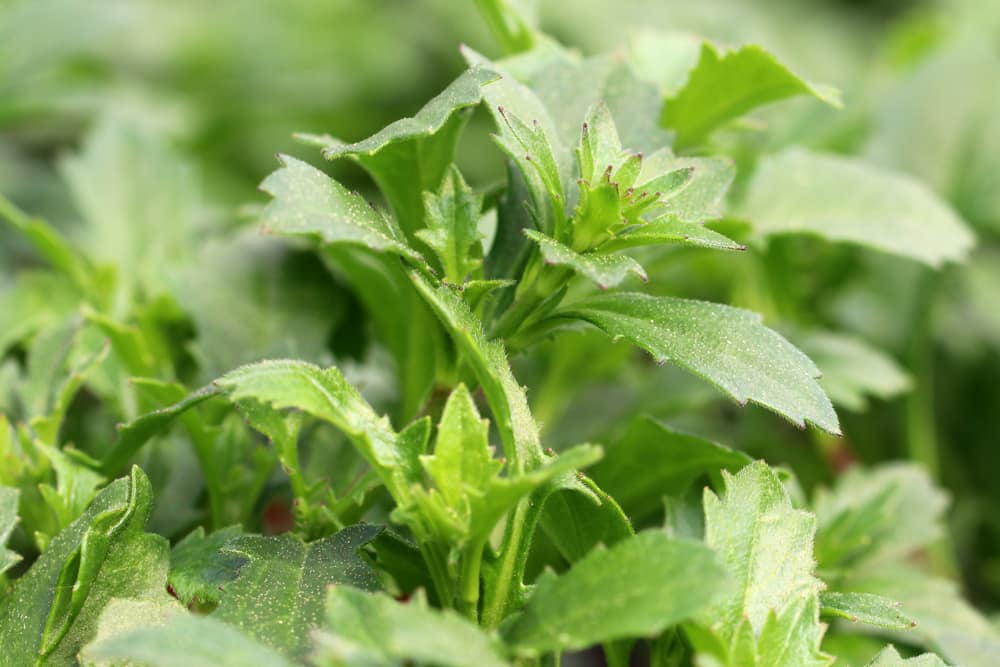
(370, 431)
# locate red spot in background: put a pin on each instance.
(277, 518)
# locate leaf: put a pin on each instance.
(853, 370)
(325, 394)
(604, 270)
(278, 596)
(889, 657)
(945, 623)
(122, 616)
(373, 629)
(651, 461)
(8, 520)
(307, 202)
(576, 520)
(462, 462)
(194, 641)
(53, 609)
(725, 86)
(453, 227)
(877, 515)
(134, 434)
(636, 588)
(766, 546)
(866, 608)
(412, 155)
(198, 567)
(763, 542)
(727, 346)
(845, 199)
(703, 198)
(250, 298)
(668, 231)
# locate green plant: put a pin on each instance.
(413, 539)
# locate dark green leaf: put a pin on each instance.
(636, 588)
(8, 519)
(199, 569)
(278, 595)
(727, 346)
(374, 629)
(651, 461)
(723, 87)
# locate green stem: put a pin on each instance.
(502, 594)
(510, 29)
(437, 565)
(538, 284)
(469, 580)
(921, 426)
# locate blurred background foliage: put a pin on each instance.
(141, 128)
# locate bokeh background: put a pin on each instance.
(224, 84)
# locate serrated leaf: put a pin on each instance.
(307, 202)
(374, 629)
(765, 544)
(889, 657)
(725, 86)
(325, 394)
(278, 595)
(853, 369)
(727, 346)
(651, 461)
(462, 461)
(636, 588)
(604, 270)
(199, 569)
(194, 641)
(845, 199)
(865, 608)
(8, 520)
(453, 227)
(412, 155)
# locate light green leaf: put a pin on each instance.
(199, 568)
(325, 394)
(877, 515)
(462, 461)
(651, 461)
(866, 608)
(122, 616)
(727, 346)
(189, 640)
(604, 270)
(8, 520)
(703, 198)
(374, 629)
(845, 199)
(889, 657)
(279, 593)
(669, 231)
(53, 609)
(853, 369)
(725, 86)
(636, 588)
(764, 543)
(945, 623)
(412, 155)
(766, 546)
(307, 202)
(453, 227)
(578, 519)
